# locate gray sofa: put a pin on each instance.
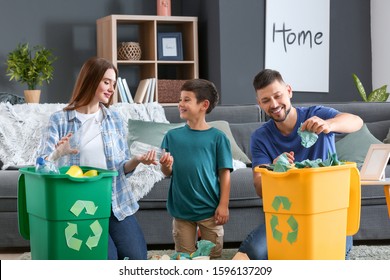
(245, 206)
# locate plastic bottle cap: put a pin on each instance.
(40, 161)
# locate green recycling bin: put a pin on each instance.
(65, 217)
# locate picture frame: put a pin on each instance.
(169, 46)
(375, 162)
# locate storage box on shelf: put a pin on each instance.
(112, 30)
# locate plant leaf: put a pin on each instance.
(359, 87)
(378, 95)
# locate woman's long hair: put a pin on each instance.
(88, 80)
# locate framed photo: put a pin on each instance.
(375, 162)
(170, 46)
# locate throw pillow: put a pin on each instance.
(387, 139)
(237, 153)
(355, 145)
(152, 133)
(148, 132)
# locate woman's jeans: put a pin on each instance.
(126, 239)
(255, 245)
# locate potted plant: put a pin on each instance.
(31, 66)
(377, 95)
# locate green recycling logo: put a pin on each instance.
(274, 222)
(71, 230)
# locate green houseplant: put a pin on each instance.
(30, 66)
(377, 95)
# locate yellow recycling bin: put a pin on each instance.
(310, 211)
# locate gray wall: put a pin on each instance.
(67, 27)
(231, 42)
(236, 44)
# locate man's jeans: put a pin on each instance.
(255, 245)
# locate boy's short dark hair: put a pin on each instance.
(203, 90)
(265, 78)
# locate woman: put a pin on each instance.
(102, 145)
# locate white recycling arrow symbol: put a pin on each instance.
(71, 230)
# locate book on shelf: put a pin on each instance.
(141, 91)
(148, 90)
(121, 90)
(152, 90)
(127, 91)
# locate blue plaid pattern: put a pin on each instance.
(115, 149)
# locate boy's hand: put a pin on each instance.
(221, 215)
(166, 160)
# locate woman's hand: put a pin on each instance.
(148, 158)
(63, 148)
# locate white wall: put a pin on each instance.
(380, 40)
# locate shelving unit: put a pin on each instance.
(114, 29)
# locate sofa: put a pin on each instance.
(245, 207)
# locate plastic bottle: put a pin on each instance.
(45, 166)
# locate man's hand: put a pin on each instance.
(290, 157)
(316, 125)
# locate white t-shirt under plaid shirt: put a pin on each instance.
(90, 140)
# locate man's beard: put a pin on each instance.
(285, 115)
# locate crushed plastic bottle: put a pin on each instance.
(140, 148)
(45, 167)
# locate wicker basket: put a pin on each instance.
(129, 51)
(169, 90)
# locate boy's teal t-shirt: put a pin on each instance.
(194, 192)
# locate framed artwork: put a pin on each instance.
(297, 42)
(375, 162)
(170, 46)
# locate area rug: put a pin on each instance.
(361, 252)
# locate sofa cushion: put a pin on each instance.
(237, 153)
(242, 134)
(354, 146)
(387, 139)
(379, 129)
(242, 192)
(153, 133)
(229, 113)
(148, 132)
(8, 190)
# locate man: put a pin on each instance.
(280, 136)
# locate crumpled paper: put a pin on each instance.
(308, 138)
(204, 249)
(282, 164)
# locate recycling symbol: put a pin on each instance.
(71, 230)
(274, 222)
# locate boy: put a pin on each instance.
(199, 159)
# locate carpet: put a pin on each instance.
(360, 252)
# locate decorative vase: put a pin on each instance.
(129, 51)
(32, 96)
(163, 7)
